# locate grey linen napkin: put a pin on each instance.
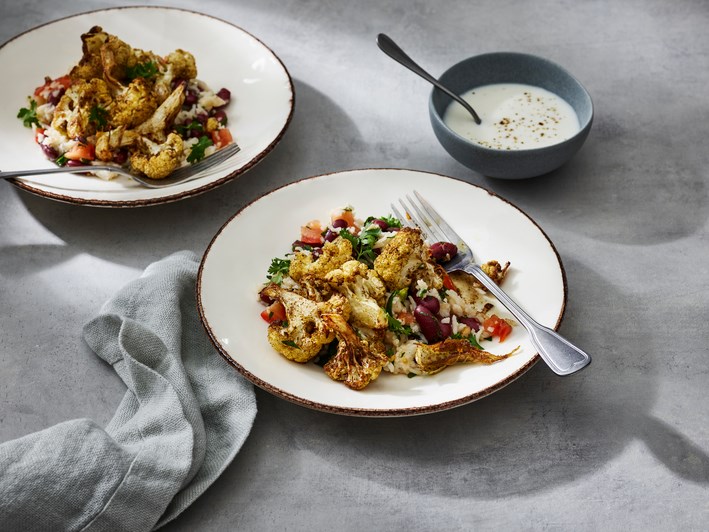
(184, 417)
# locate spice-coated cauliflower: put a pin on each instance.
(72, 116)
(405, 259)
(334, 254)
(157, 161)
(364, 291)
(304, 333)
(357, 362)
(433, 358)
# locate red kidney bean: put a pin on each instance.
(191, 98)
(72, 162)
(429, 324)
(266, 299)
(446, 330)
(176, 83)
(316, 253)
(381, 223)
(221, 117)
(470, 322)
(55, 96)
(120, 157)
(339, 223)
(303, 245)
(330, 236)
(443, 251)
(224, 94)
(50, 152)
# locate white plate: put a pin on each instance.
(227, 56)
(235, 263)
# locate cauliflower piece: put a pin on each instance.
(157, 161)
(116, 57)
(405, 259)
(133, 105)
(433, 358)
(364, 291)
(305, 333)
(356, 362)
(334, 254)
(74, 115)
(495, 271)
(90, 66)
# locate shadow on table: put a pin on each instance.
(121, 235)
(540, 431)
(625, 187)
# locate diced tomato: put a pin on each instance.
(221, 137)
(38, 132)
(275, 312)
(343, 214)
(42, 93)
(448, 283)
(407, 318)
(496, 326)
(311, 233)
(81, 151)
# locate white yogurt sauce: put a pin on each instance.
(514, 117)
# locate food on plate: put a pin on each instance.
(129, 107)
(361, 297)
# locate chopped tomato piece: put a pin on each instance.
(448, 283)
(275, 312)
(344, 214)
(43, 92)
(86, 152)
(311, 233)
(38, 132)
(407, 318)
(221, 137)
(496, 326)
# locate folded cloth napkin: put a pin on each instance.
(183, 419)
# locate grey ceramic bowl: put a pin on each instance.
(510, 67)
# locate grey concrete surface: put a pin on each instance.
(623, 445)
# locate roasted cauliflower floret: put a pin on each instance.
(356, 362)
(433, 358)
(364, 291)
(134, 105)
(157, 161)
(405, 259)
(90, 66)
(334, 254)
(305, 332)
(76, 112)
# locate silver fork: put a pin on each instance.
(181, 175)
(560, 355)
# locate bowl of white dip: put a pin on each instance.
(534, 115)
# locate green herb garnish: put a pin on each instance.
(197, 151)
(363, 245)
(397, 327)
(290, 343)
(471, 338)
(277, 270)
(29, 116)
(98, 116)
(185, 129)
(146, 70)
(61, 160)
(401, 294)
(411, 375)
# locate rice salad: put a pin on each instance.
(129, 107)
(359, 297)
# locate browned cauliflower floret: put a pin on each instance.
(133, 105)
(364, 291)
(76, 113)
(404, 259)
(334, 254)
(433, 358)
(90, 66)
(158, 161)
(357, 362)
(181, 64)
(305, 332)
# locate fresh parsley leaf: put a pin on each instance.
(277, 270)
(184, 130)
(29, 116)
(397, 327)
(474, 342)
(146, 70)
(197, 151)
(411, 375)
(391, 221)
(401, 294)
(290, 343)
(98, 116)
(363, 245)
(61, 160)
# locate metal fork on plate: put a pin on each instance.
(181, 175)
(561, 355)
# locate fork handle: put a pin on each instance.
(561, 356)
(58, 170)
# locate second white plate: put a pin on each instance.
(234, 266)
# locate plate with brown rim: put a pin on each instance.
(234, 266)
(227, 56)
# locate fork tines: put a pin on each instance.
(421, 214)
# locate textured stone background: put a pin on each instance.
(623, 445)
